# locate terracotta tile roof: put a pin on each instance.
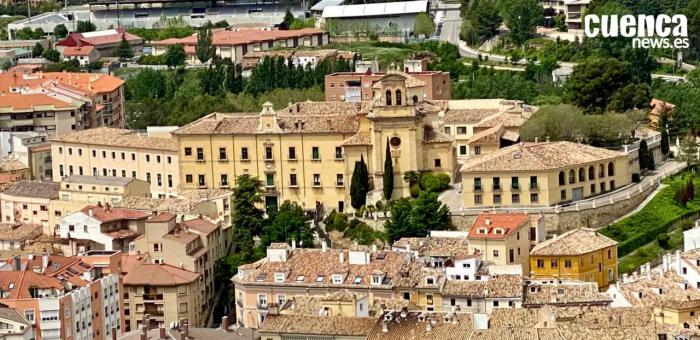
(491, 135)
(467, 116)
(104, 214)
(200, 225)
(97, 38)
(181, 236)
(343, 295)
(19, 282)
(565, 294)
(242, 36)
(323, 53)
(575, 242)
(202, 195)
(382, 305)
(667, 290)
(658, 106)
(361, 138)
(317, 325)
(121, 234)
(510, 135)
(90, 83)
(161, 217)
(314, 268)
(435, 246)
(505, 119)
(222, 123)
(501, 286)
(71, 51)
(13, 315)
(538, 156)
(415, 327)
(303, 305)
(31, 101)
(46, 190)
(98, 180)
(117, 137)
(434, 136)
(12, 164)
(506, 334)
(142, 274)
(149, 204)
(498, 226)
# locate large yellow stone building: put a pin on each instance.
(582, 254)
(307, 151)
(542, 174)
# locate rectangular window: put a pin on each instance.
(496, 198)
(514, 183)
(533, 182)
(270, 180)
(200, 154)
(148, 158)
(562, 194)
(315, 153)
(293, 180)
(602, 186)
(593, 189)
(292, 152)
(555, 263)
(477, 199)
(447, 130)
(159, 178)
(222, 154)
(496, 183)
(612, 185)
(339, 180)
(148, 177)
(170, 181)
(540, 263)
(317, 180)
(534, 197)
(201, 181)
(461, 130)
(477, 184)
(515, 198)
(268, 153)
(224, 180)
(477, 150)
(438, 163)
(567, 263)
(463, 150)
(338, 152)
(244, 153)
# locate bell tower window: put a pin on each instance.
(398, 97)
(388, 98)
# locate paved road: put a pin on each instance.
(452, 24)
(453, 197)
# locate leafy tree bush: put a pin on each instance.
(481, 21)
(37, 50)
(124, 50)
(51, 55)
(424, 25)
(288, 223)
(663, 239)
(205, 50)
(60, 31)
(361, 232)
(522, 17)
(175, 56)
(85, 26)
(415, 218)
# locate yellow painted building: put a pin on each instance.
(542, 174)
(582, 254)
(306, 152)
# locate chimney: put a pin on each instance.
(161, 332)
(547, 139)
(342, 257)
(385, 326)
(107, 207)
(224, 323)
(91, 212)
(408, 248)
(44, 261)
(294, 244)
(374, 248)
(113, 334)
(488, 221)
(537, 139)
(664, 264)
(679, 269)
(18, 263)
(324, 246)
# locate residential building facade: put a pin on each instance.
(28, 202)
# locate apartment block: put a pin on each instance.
(157, 294)
(581, 254)
(76, 191)
(506, 239)
(358, 86)
(28, 202)
(99, 98)
(63, 297)
(101, 227)
(38, 112)
(118, 153)
(542, 174)
(194, 245)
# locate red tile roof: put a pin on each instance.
(201, 225)
(158, 275)
(242, 36)
(104, 214)
(29, 101)
(497, 226)
(97, 38)
(90, 83)
(71, 51)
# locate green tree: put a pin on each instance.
(205, 50)
(644, 156)
(51, 55)
(288, 19)
(246, 217)
(124, 50)
(60, 31)
(5, 63)
(388, 173)
(85, 26)
(175, 56)
(595, 81)
(522, 17)
(148, 83)
(411, 177)
(399, 223)
(631, 96)
(37, 50)
(287, 224)
(482, 21)
(359, 184)
(429, 214)
(423, 25)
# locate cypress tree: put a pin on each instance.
(388, 173)
(643, 153)
(665, 148)
(359, 186)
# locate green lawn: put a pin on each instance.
(637, 234)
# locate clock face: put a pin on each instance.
(267, 125)
(395, 142)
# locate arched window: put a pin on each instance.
(398, 97)
(572, 176)
(562, 179)
(611, 169)
(601, 171)
(415, 99)
(591, 173)
(388, 98)
(581, 175)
